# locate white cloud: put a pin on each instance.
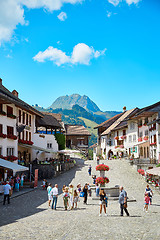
(12, 13)
(109, 14)
(82, 54)
(62, 16)
(129, 2)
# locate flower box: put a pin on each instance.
(25, 142)
(12, 158)
(3, 135)
(152, 144)
(3, 113)
(116, 138)
(117, 146)
(14, 137)
(102, 180)
(121, 146)
(140, 139)
(11, 116)
(141, 171)
(123, 137)
(102, 167)
(145, 138)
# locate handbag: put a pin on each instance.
(125, 205)
(81, 194)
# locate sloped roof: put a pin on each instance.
(117, 122)
(109, 122)
(76, 130)
(8, 97)
(58, 116)
(148, 111)
(48, 121)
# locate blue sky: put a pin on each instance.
(108, 50)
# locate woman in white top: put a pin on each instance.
(71, 192)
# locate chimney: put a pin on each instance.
(0, 81)
(124, 109)
(15, 93)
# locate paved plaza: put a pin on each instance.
(28, 216)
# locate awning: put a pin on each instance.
(68, 151)
(36, 148)
(14, 166)
(154, 171)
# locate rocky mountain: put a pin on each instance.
(67, 102)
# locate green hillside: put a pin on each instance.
(90, 127)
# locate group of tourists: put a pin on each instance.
(11, 183)
(70, 195)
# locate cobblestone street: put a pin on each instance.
(28, 216)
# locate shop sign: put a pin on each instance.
(36, 178)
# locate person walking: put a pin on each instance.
(146, 201)
(22, 179)
(85, 190)
(123, 201)
(89, 190)
(6, 189)
(17, 182)
(97, 190)
(150, 193)
(49, 188)
(71, 192)
(102, 202)
(54, 194)
(75, 198)
(66, 197)
(89, 170)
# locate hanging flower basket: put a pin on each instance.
(102, 180)
(141, 171)
(102, 167)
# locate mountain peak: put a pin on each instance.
(68, 101)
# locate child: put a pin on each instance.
(49, 188)
(44, 184)
(75, 198)
(65, 198)
(146, 200)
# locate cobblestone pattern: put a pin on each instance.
(28, 216)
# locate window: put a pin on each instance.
(1, 128)
(20, 113)
(29, 136)
(132, 125)
(155, 140)
(140, 134)
(30, 121)
(49, 145)
(10, 130)
(9, 110)
(10, 151)
(140, 123)
(1, 107)
(134, 138)
(141, 151)
(146, 120)
(23, 117)
(146, 133)
(23, 135)
(117, 133)
(0, 150)
(26, 135)
(124, 132)
(26, 119)
(130, 138)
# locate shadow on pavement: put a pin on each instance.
(28, 204)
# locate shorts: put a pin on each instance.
(102, 203)
(49, 197)
(146, 203)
